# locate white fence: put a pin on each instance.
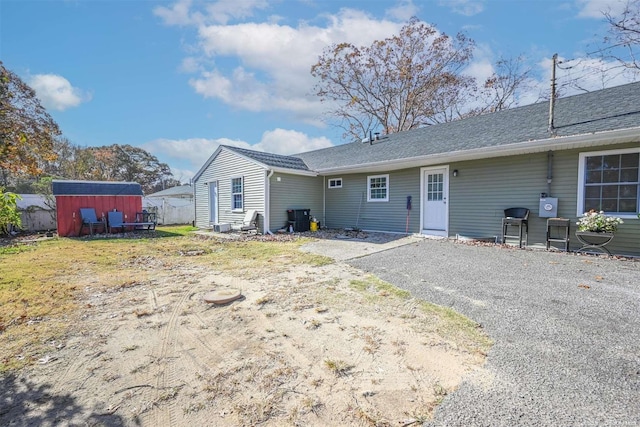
(37, 212)
(171, 210)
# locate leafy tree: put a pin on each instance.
(27, 131)
(9, 214)
(400, 83)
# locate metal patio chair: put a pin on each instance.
(90, 220)
(516, 217)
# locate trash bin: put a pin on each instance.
(314, 226)
(299, 218)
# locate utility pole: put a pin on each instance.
(552, 101)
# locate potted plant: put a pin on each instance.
(598, 222)
(596, 230)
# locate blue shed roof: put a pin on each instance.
(96, 188)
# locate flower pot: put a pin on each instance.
(594, 240)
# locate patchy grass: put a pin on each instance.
(42, 285)
(375, 288)
(445, 321)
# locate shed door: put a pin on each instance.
(213, 202)
(434, 209)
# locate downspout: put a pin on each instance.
(324, 200)
(549, 171)
(267, 205)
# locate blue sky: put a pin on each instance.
(178, 78)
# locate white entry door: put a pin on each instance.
(213, 202)
(435, 186)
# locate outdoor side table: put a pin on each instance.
(592, 240)
(558, 231)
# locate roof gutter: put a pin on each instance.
(536, 146)
(291, 171)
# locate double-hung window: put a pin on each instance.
(609, 181)
(378, 188)
(237, 190)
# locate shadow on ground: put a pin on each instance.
(24, 403)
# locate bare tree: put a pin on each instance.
(624, 32)
(400, 83)
(500, 92)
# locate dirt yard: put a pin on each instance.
(305, 345)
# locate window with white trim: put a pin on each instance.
(378, 188)
(237, 193)
(335, 183)
(609, 181)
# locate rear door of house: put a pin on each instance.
(213, 202)
(435, 191)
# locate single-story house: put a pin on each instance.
(449, 179)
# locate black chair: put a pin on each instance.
(516, 217)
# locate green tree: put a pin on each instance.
(27, 131)
(9, 215)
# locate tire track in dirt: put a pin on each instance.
(78, 361)
(163, 412)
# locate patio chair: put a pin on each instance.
(250, 222)
(115, 220)
(90, 220)
(516, 217)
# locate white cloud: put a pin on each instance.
(178, 14)
(224, 10)
(596, 8)
(283, 141)
(56, 92)
(464, 7)
(266, 66)
(191, 153)
(220, 12)
(403, 11)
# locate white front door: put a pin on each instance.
(435, 190)
(213, 202)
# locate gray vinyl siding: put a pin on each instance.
(484, 188)
(294, 192)
(225, 166)
(348, 206)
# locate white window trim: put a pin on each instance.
(369, 199)
(333, 180)
(581, 178)
(241, 208)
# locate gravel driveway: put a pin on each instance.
(566, 329)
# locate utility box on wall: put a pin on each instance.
(548, 207)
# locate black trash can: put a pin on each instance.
(300, 219)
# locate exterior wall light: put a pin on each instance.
(455, 172)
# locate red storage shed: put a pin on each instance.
(103, 196)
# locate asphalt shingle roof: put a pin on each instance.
(95, 188)
(269, 159)
(609, 109)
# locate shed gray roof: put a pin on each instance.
(269, 159)
(615, 108)
(95, 188)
